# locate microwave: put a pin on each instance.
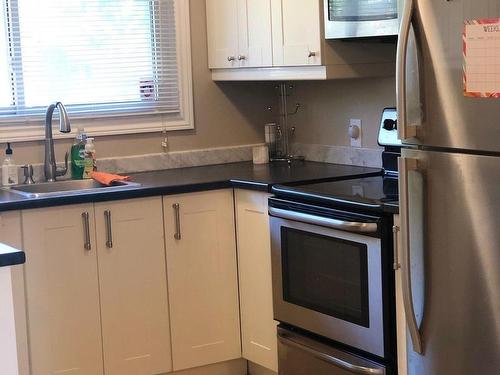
(345, 19)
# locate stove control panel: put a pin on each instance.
(388, 133)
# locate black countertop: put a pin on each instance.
(375, 193)
(184, 180)
(10, 256)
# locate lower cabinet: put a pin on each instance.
(202, 278)
(62, 291)
(133, 287)
(147, 286)
(258, 329)
(96, 289)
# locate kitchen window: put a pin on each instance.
(119, 66)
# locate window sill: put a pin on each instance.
(97, 127)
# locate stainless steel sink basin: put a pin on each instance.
(70, 187)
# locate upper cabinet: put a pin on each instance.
(239, 33)
(285, 40)
(297, 32)
(222, 24)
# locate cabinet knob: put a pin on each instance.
(311, 54)
(242, 57)
(231, 58)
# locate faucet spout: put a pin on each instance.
(50, 166)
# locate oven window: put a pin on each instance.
(362, 10)
(326, 274)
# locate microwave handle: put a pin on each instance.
(404, 130)
(294, 341)
(348, 226)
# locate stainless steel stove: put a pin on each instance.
(375, 194)
(333, 283)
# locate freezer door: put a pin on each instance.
(433, 79)
(454, 201)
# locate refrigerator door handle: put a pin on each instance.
(405, 165)
(404, 131)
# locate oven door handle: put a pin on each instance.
(348, 226)
(291, 340)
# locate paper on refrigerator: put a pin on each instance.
(482, 58)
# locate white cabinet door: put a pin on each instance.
(258, 329)
(296, 32)
(62, 291)
(254, 33)
(10, 234)
(222, 30)
(133, 287)
(202, 278)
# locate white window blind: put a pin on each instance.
(98, 57)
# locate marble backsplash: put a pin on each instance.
(365, 157)
(221, 155)
(160, 161)
(176, 159)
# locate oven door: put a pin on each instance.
(327, 277)
(361, 18)
(300, 355)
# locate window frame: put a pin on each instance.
(126, 123)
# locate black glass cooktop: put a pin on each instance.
(364, 193)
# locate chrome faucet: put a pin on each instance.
(50, 167)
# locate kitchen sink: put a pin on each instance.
(69, 187)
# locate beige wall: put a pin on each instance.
(229, 114)
(225, 114)
(327, 107)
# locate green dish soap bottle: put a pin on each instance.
(78, 155)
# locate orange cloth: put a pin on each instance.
(108, 178)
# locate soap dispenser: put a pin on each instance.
(9, 169)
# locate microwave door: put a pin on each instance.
(361, 18)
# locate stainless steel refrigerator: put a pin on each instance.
(449, 194)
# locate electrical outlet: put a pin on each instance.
(164, 142)
(355, 133)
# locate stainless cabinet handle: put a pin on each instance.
(86, 231)
(311, 54)
(231, 58)
(404, 131)
(405, 165)
(339, 359)
(395, 231)
(109, 230)
(177, 217)
(242, 57)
